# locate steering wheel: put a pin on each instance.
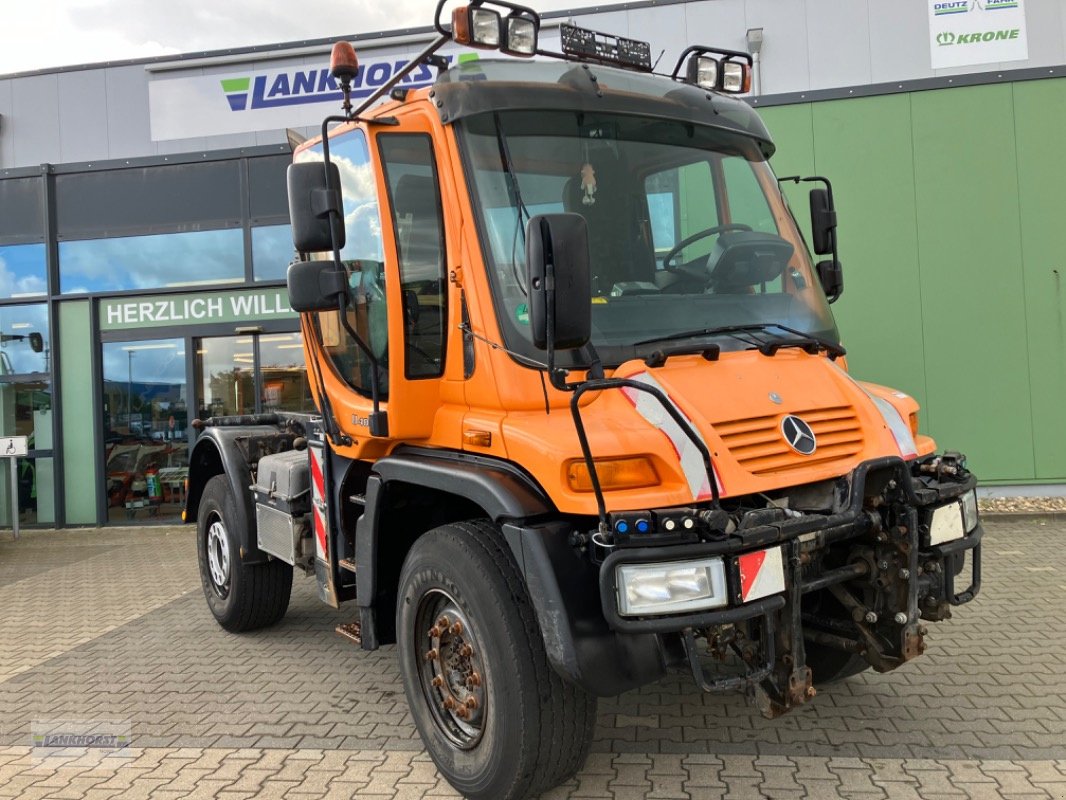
(668, 264)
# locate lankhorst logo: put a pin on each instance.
(298, 87)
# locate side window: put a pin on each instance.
(364, 262)
(681, 203)
(414, 196)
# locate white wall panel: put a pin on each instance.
(101, 113)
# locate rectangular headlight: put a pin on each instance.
(671, 587)
(703, 71)
(946, 524)
(969, 510)
(521, 36)
(484, 27)
(735, 77)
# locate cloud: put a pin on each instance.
(62, 32)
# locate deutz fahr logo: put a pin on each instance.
(948, 38)
(297, 87)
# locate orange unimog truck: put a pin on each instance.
(584, 414)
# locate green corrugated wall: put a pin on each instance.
(952, 232)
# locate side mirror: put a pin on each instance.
(831, 275)
(557, 274)
(36, 342)
(311, 204)
(823, 222)
(315, 285)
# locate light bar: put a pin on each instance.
(604, 47)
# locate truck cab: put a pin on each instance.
(584, 413)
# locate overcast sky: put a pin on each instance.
(38, 34)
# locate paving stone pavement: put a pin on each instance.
(111, 625)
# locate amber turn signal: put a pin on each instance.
(614, 473)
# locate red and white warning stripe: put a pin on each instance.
(762, 574)
(318, 492)
(687, 453)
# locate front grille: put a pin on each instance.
(758, 446)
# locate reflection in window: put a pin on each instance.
(363, 261)
(23, 272)
(284, 374)
(151, 262)
(34, 493)
(26, 410)
(271, 252)
(225, 376)
(146, 420)
(24, 342)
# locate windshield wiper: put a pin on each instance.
(812, 344)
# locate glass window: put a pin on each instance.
(419, 228)
(283, 374)
(26, 410)
(644, 188)
(146, 422)
(23, 272)
(24, 341)
(268, 197)
(363, 260)
(271, 252)
(225, 376)
(152, 262)
(35, 491)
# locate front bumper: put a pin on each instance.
(589, 643)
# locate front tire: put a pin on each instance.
(497, 720)
(241, 597)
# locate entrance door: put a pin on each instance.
(146, 419)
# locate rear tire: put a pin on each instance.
(514, 728)
(241, 597)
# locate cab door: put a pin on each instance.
(416, 255)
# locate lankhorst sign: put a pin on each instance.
(262, 97)
(967, 32)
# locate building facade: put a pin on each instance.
(144, 236)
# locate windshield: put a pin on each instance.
(687, 229)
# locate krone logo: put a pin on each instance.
(945, 38)
(799, 435)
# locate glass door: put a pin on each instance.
(146, 420)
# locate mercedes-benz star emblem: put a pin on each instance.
(799, 435)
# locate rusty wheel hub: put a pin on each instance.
(450, 668)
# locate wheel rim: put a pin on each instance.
(450, 668)
(218, 566)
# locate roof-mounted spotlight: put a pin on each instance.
(716, 70)
(477, 26)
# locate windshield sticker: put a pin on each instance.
(521, 313)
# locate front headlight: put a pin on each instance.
(969, 510)
(671, 587)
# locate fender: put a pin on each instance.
(502, 490)
(564, 587)
(222, 450)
